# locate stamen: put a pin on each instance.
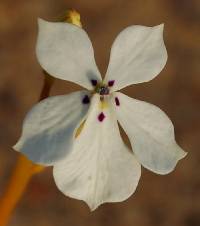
(101, 117)
(101, 98)
(103, 90)
(94, 82)
(111, 83)
(79, 129)
(117, 101)
(86, 99)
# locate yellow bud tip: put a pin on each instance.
(73, 17)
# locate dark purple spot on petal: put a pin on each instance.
(94, 82)
(86, 99)
(111, 83)
(101, 117)
(117, 101)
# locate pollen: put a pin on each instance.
(103, 103)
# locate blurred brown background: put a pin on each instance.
(171, 200)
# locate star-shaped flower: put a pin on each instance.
(78, 133)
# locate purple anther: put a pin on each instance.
(111, 83)
(117, 101)
(94, 82)
(101, 117)
(86, 99)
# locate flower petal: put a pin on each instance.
(138, 55)
(151, 134)
(49, 128)
(65, 51)
(100, 168)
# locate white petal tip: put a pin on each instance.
(92, 207)
(42, 23)
(16, 147)
(183, 154)
(180, 153)
(40, 20)
(161, 25)
(159, 28)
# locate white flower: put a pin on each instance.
(97, 166)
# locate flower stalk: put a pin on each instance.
(21, 175)
(25, 169)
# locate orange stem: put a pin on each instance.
(20, 178)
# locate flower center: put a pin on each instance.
(102, 90)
